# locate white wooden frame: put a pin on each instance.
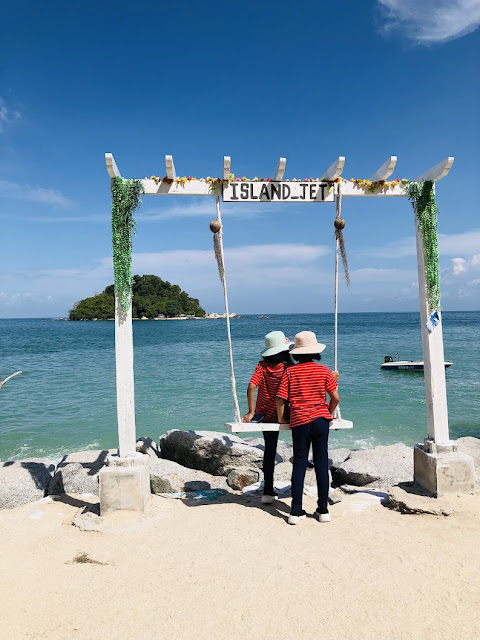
(432, 343)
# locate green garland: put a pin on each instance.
(125, 200)
(422, 196)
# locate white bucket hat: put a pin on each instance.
(306, 342)
(275, 342)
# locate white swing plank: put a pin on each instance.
(245, 427)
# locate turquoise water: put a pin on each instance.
(65, 398)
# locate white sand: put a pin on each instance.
(234, 570)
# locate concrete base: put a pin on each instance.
(125, 484)
(443, 470)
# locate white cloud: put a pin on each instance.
(431, 21)
(467, 242)
(7, 115)
(458, 266)
(382, 275)
(33, 194)
(201, 207)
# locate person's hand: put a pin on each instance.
(248, 417)
(336, 375)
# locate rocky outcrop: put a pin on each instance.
(238, 479)
(210, 451)
(78, 472)
(284, 449)
(471, 447)
(24, 481)
(384, 466)
(167, 476)
(148, 446)
(337, 456)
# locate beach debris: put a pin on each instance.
(208, 495)
(24, 481)
(84, 558)
(210, 451)
(385, 466)
(412, 499)
(167, 476)
(239, 478)
(2, 382)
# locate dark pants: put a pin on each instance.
(269, 454)
(316, 434)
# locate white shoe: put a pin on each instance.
(296, 519)
(322, 517)
(268, 499)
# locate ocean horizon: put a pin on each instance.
(65, 399)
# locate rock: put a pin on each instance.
(209, 451)
(88, 518)
(78, 472)
(239, 478)
(24, 481)
(284, 449)
(415, 500)
(167, 476)
(383, 466)
(471, 446)
(148, 446)
(337, 456)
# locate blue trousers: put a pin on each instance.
(316, 434)
(269, 454)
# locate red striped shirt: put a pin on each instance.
(304, 386)
(267, 380)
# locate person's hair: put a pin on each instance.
(306, 357)
(277, 358)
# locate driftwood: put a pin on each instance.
(2, 382)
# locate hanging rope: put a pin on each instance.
(339, 243)
(216, 228)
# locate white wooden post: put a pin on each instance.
(433, 359)
(125, 382)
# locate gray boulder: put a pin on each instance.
(24, 481)
(210, 451)
(78, 472)
(384, 466)
(337, 456)
(471, 447)
(284, 449)
(240, 478)
(148, 446)
(167, 476)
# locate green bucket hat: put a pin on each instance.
(275, 342)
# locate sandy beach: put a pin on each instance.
(235, 569)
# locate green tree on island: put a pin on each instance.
(152, 297)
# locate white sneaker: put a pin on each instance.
(296, 519)
(322, 517)
(268, 499)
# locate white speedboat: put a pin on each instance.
(389, 363)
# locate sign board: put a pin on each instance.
(272, 191)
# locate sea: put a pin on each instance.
(65, 399)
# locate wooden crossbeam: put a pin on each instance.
(437, 172)
(171, 175)
(385, 170)
(335, 169)
(227, 161)
(112, 168)
(280, 170)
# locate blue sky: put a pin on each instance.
(255, 81)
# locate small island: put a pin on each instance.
(153, 298)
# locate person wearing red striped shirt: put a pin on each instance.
(306, 386)
(266, 379)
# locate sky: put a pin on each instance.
(255, 81)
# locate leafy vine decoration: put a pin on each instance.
(125, 201)
(422, 197)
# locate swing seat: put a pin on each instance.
(245, 427)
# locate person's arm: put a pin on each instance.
(334, 400)
(281, 410)
(336, 375)
(251, 403)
